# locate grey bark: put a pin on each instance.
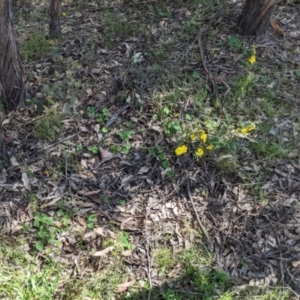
(54, 23)
(12, 87)
(255, 17)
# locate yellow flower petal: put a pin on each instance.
(199, 152)
(181, 150)
(203, 136)
(209, 147)
(251, 127)
(193, 136)
(244, 130)
(247, 129)
(252, 59)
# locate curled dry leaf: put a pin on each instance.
(105, 154)
(81, 221)
(104, 232)
(104, 252)
(144, 169)
(296, 264)
(25, 180)
(290, 235)
(124, 286)
(91, 235)
(14, 162)
(127, 253)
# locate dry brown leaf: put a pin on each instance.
(296, 264)
(14, 162)
(88, 193)
(144, 169)
(127, 253)
(104, 252)
(91, 235)
(6, 121)
(81, 221)
(124, 286)
(291, 236)
(25, 180)
(104, 232)
(105, 154)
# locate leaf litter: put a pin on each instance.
(253, 237)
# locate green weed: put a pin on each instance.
(163, 259)
(125, 241)
(269, 150)
(115, 25)
(45, 232)
(91, 221)
(35, 47)
(235, 43)
(125, 135)
(172, 128)
(94, 149)
(101, 117)
(46, 128)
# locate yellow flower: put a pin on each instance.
(203, 136)
(63, 14)
(252, 59)
(192, 136)
(209, 147)
(199, 152)
(244, 130)
(247, 129)
(181, 150)
(251, 127)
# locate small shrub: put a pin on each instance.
(35, 47)
(46, 128)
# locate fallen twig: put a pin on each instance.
(116, 114)
(211, 77)
(208, 240)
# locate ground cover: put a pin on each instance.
(158, 157)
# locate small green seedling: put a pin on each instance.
(91, 110)
(122, 202)
(172, 128)
(124, 236)
(91, 220)
(45, 232)
(93, 149)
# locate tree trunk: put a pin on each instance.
(54, 24)
(255, 17)
(12, 87)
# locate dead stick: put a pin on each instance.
(210, 245)
(211, 77)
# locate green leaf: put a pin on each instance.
(166, 110)
(188, 117)
(25, 227)
(162, 156)
(165, 164)
(39, 246)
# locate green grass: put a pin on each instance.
(47, 127)
(35, 47)
(23, 275)
(163, 259)
(20, 277)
